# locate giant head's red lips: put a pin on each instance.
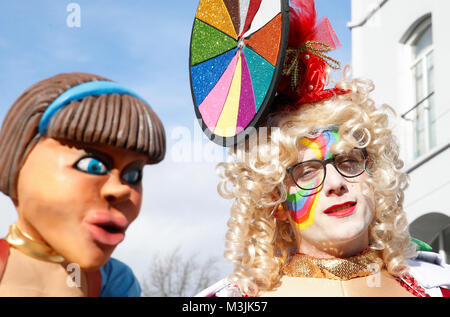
(341, 210)
(106, 229)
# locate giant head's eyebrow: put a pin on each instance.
(106, 158)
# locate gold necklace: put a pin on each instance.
(302, 265)
(27, 245)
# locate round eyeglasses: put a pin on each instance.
(309, 175)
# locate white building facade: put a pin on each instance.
(404, 47)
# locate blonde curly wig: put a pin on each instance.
(253, 176)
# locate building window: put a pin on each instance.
(422, 70)
(422, 110)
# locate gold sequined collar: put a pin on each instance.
(302, 265)
(27, 245)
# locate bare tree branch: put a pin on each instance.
(172, 275)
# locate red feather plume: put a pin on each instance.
(312, 68)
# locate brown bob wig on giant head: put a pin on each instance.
(118, 120)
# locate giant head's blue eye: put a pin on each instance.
(91, 165)
(132, 175)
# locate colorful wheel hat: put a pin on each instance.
(237, 60)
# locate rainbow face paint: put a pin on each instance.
(322, 144)
(302, 205)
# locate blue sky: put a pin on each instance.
(132, 43)
(143, 45)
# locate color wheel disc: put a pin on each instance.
(236, 59)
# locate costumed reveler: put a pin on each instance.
(318, 189)
(73, 148)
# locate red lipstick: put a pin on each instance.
(341, 210)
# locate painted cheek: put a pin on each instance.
(302, 209)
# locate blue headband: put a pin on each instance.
(92, 88)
